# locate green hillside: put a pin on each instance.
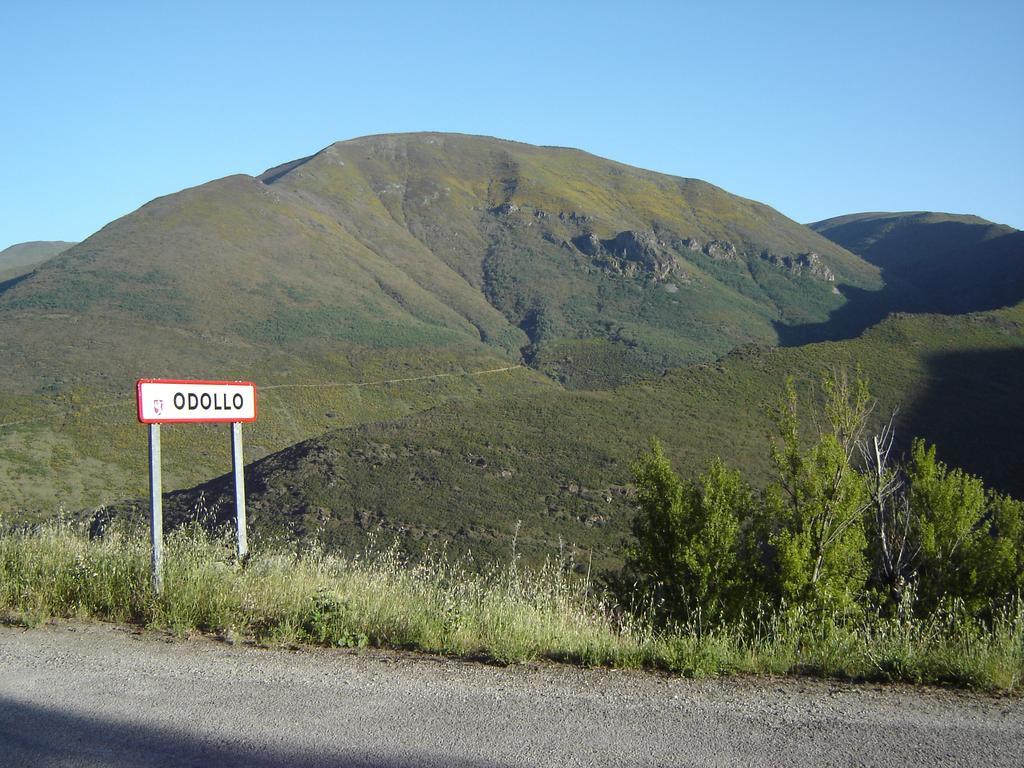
(554, 464)
(387, 257)
(21, 258)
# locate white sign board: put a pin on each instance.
(170, 401)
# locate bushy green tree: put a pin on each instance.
(949, 510)
(1002, 552)
(922, 532)
(818, 502)
(688, 537)
(970, 539)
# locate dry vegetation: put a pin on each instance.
(506, 615)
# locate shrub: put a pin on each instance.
(826, 535)
(686, 554)
(817, 503)
(970, 539)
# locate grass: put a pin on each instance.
(85, 447)
(504, 614)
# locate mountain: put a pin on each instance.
(434, 240)
(940, 262)
(21, 258)
(387, 258)
(891, 239)
(552, 466)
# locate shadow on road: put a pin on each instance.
(38, 736)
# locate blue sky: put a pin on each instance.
(817, 109)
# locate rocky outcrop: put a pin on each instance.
(572, 217)
(809, 264)
(589, 244)
(640, 247)
(720, 250)
(630, 253)
(716, 250)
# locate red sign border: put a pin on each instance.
(138, 401)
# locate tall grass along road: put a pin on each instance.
(505, 613)
(99, 695)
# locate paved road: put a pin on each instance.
(95, 695)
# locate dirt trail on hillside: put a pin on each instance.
(98, 695)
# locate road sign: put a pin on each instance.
(177, 401)
(173, 401)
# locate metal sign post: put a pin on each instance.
(156, 509)
(175, 401)
(239, 466)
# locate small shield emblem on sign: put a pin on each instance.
(158, 407)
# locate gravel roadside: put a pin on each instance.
(76, 694)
